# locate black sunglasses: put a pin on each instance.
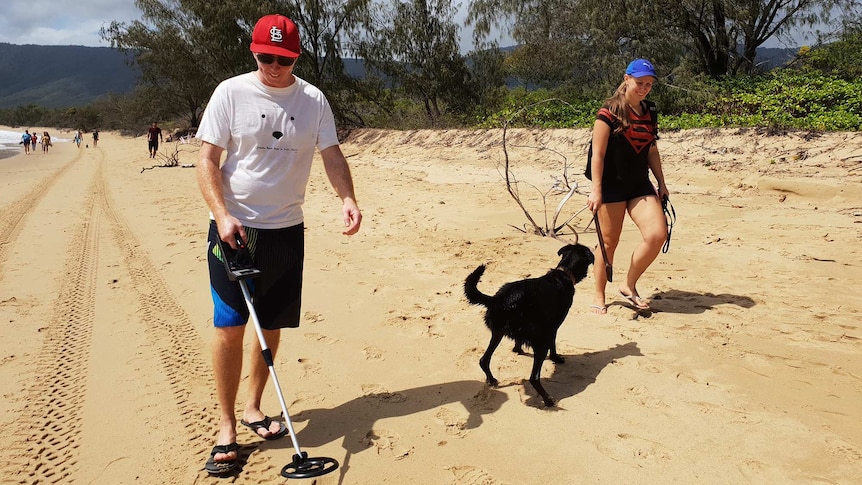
(282, 61)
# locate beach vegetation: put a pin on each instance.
(396, 64)
(714, 37)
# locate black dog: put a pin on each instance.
(530, 311)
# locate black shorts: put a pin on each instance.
(622, 192)
(153, 144)
(276, 293)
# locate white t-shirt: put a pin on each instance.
(269, 136)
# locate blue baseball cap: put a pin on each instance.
(641, 68)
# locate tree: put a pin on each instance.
(580, 37)
(414, 45)
(725, 34)
(582, 44)
(186, 47)
(841, 58)
(326, 30)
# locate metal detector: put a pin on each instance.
(240, 267)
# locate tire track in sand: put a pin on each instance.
(46, 437)
(45, 441)
(173, 335)
(15, 213)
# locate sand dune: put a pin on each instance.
(748, 370)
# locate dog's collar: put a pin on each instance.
(567, 273)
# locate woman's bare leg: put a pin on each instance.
(611, 218)
(646, 213)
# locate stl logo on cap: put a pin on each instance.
(275, 34)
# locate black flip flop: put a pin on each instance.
(222, 467)
(264, 424)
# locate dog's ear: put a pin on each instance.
(566, 248)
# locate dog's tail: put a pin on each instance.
(471, 289)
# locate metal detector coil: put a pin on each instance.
(240, 267)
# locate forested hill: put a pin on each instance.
(59, 76)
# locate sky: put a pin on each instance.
(77, 22)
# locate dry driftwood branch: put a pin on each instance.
(172, 159)
(560, 184)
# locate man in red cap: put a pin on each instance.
(267, 123)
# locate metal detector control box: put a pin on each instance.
(237, 262)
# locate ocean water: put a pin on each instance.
(9, 146)
(11, 138)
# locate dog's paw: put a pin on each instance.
(557, 359)
(492, 382)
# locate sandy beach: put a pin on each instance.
(747, 371)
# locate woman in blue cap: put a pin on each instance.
(624, 152)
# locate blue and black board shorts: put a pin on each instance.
(276, 293)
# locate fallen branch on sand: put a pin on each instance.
(173, 159)
(561, 185)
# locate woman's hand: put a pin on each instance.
(594, 201)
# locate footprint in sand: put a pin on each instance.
(624, 447)
(455, 424)
(312, 317)
(486, 399)
(470, 475)
(379, 393)
(373, 353)
(386, 441)
(641, 395)
(844, 450)
(317, 337)
(308, 397)
(309, 366)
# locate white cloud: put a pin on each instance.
(61, 22)
(77, 22)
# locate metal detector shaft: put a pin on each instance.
(267, 357)
(609, 269)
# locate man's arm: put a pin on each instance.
(209, 181)
(339, 176)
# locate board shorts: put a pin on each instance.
(153, 144)
(276, 293)
(615, 191)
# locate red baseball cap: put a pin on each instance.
(276, 34)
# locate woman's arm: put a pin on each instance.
(654, 162)
(601, 134)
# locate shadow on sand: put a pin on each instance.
(354, 421)
(689, 303)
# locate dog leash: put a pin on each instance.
(670, 218)
(609, 269)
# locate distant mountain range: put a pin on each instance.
(61, 76)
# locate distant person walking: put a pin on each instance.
(46, 141)
(95, 138)
(33, 141)
(25, 140)
(154, 134)
(78, 137)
